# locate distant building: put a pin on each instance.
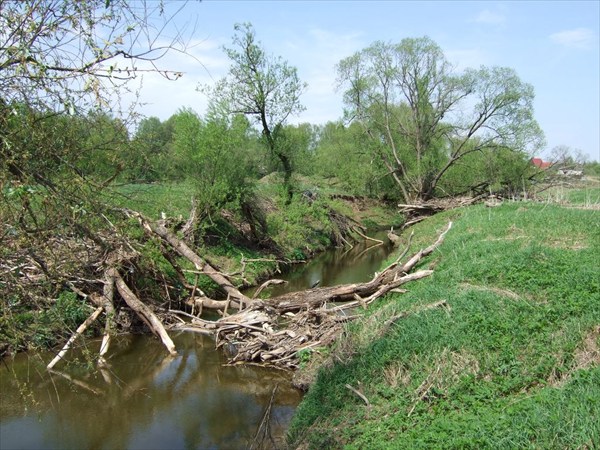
(570, 173)
(540, 164)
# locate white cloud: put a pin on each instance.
(467, 58)
(316, 53)
(490, 17)
(201, 63)
(582, 38)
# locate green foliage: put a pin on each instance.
(69, 309)
(57, 59)
(101, 146)
(301, 227)
(422, 118)
(504, 366)
(592, 169)
(147, 156)
(499, 171)
(343, 152)
(213, 155)
(172, 199)
(264, 88)
(22, 326)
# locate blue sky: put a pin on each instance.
(552, 45)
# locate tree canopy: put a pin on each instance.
(62, 66)
(422, 117)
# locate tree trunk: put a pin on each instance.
(108, 296)
(75, 335)
(143, 311)
(287, 176)
(184, 250)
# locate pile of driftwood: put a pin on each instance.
(275, 331)
(272, 332)
(419, 211)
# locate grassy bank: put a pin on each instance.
(299, 229)
(512, 362)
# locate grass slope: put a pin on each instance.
(514, 361)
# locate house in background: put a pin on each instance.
(570, 173)
(540, 164)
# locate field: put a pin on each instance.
(511, 362)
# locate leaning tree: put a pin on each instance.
(422, 117)
(60, 62)
(263, 87)
(64, 66)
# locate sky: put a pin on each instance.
(552, 45)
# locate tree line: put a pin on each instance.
(413, 127)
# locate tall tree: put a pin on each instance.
(423, 117)
(263, 87)
(146, 158)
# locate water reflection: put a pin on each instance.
(150, 400)
(146, 400)
(338, 266)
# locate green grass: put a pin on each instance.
(513, 362)
(583, 193)
(174, 199)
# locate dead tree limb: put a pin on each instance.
(143, 311)
(184, 250)
(273, 331)
(364, 236)
(75, 335)
(360, 394)
(107, 300)
(208, 303)
(266, 284)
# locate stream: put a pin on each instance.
(147, 399)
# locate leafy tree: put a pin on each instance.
(147, 156)
(63, 62)
(423, 118)
(212, 154)
(263, 87)
(298, 143)
(186, 139)
(102, 144)
(345, 153)
(502, 171)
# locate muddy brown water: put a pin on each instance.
(147, 399)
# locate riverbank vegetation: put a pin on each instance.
(144, 224)
(512, 361)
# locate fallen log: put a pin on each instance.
(394, 275)
(143, 311)
(201, 265)
(273, 331)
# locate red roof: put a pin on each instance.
(540, 164)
